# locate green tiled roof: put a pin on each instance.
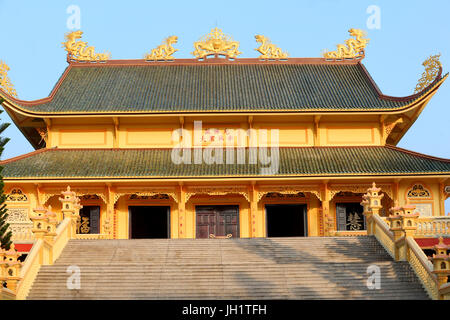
(225, 87)
(152, 163)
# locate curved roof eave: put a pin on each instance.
(24, 107)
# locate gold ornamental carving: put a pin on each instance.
(163, 51)
(83, 225)
(291, 190)
(79, 50)
(146, 193)
(432, 67)
(217, 191)
(50, 192)
(360, 188)
(268, 50)
(352, 49)
(16, 195)
(5, 82)
(216, 42)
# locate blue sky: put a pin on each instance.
(410, 31)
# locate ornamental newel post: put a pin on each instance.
(11, 268)
(71, 208)
(396, 221)
(375, 199)
(39, 219)
(441, 262)
(52, 221)
(409, 219)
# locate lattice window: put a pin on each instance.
(418, 191)
(16, 195)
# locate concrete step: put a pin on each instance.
(274, 268)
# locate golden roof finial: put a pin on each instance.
(353, 48)
(216, 42)
(163, 51)
(268, 50)
(432, 66)
(79, 50)
(5, 82)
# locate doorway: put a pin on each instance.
(217, 221)
(149, 222)
(286, 220)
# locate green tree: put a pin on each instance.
(5, 233)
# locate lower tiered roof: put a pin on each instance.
(46, 164)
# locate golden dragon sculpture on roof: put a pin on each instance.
(163, 51)
(353, 48)
(79, 50)
(5, 82)
(432, 66)
(268, 50)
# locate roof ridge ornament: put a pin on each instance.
(353, 48)
(164, 51)
(5, 82)
(268, 50)
(217, 43)
(432, 67)
(79, 50)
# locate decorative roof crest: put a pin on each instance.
(268, 50)
(353, 48)
(5, 82)
(164, 51)
(432, 66)
(216, 42)
(79, 50)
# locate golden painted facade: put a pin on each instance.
(321, 195)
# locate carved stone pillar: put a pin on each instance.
(182, 214)
(253, 211)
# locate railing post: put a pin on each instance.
(441, 263)
(71, 209)
(373, 197)
(403, 224)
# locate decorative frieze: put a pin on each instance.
(334, 189)
(217, 191)
(289, 190)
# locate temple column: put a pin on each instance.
(326, 215)
(182, 213)
(441, 199)
(108, 224)
(253, 211)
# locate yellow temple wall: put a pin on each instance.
(134, 133)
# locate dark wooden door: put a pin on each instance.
(89, 220)
(217, 220)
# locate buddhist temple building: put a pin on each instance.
(219, 145)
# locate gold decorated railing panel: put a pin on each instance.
(433, 226)
(422, 267)
(384, 235)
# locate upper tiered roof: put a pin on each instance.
(215, 85)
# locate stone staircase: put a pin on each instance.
(262, 268)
